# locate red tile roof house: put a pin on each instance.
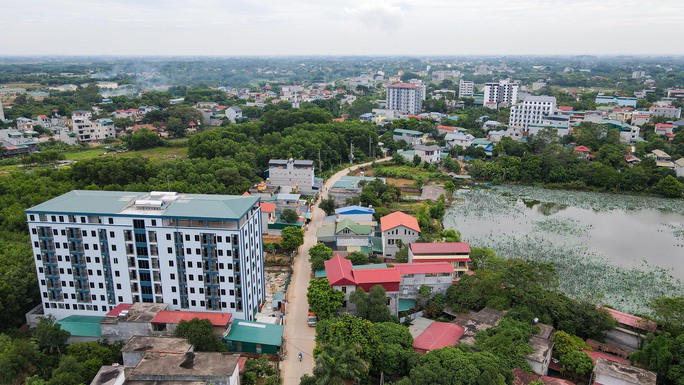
(455, 253)
(582, 152)
(664, 128)
(630, 331)
(438, 335)
(401, 282)
(397, 229)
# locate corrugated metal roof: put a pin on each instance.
(438, 335)
(339, 271)
(218, 207)
(369, 276)
(81, 325)
(174, 317)
(256, 333)
(396, 219)
(632, 320)
(440, 248)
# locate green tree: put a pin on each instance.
(323, 299)
(143, 138)
(358, 258)
(199, 332)
(371, 306)
(318, 254)
(669, 187)
(337, 364)
(49, 336)
(576, 363)
(509, 341)
(453, 366)
(401, 256)
(293, 237)
(327, 205)
(564, 343)
(668, 310)
(663, 354)
(289, 216)
(352, 330)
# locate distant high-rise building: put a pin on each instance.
(466, 88)
(406, 97)
(532, 110)
(2, 112)
(501, 92)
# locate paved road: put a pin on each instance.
(299, 337)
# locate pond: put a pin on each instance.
(618, 250)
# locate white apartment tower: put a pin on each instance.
(2, 112)
(96, 249)
(501, 92)
(532, 110)
(406, 97)
(466, 88)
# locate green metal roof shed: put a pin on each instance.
(254, 337)
(82, 325)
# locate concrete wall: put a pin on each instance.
(608, 380)
(402, 233)
(123, 331)
(413, 284)
(623, 339)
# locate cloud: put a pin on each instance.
(377, 13)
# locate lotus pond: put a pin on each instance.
(617, 250)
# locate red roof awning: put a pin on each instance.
(174, 317)
(440, 248)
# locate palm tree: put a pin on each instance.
(339, 365)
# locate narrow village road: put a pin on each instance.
(299, 337)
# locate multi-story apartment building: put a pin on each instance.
(96, 249)
(297, 175)
(501, 92)
(466, 88)
(406, 97)
(88, 130)
(532, 110)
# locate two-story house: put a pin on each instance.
(455, 253)
(397, 229)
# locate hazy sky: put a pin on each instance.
(340, 27)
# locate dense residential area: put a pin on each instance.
(445, 220)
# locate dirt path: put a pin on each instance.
(299, 337)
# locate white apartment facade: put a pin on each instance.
(88, 130)
(532, 110)
(290, 173)
(466, 88)
(96, 249)
(406, 97)
(503, 91)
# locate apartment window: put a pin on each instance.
(173, 276)
(113, 247)
(193, 302)
(197, 238)
(187, 237)
(168, 237)
(118, 286)
(154, 222)
(33, 218)
(175, 302)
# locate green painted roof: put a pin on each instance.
(218, 207)
(406, 304)
(370, 266)
(352, 182)
(325, 232)
(401, 131)
(354, 227)
(256, 333)
(81, 325)
(320, 274)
